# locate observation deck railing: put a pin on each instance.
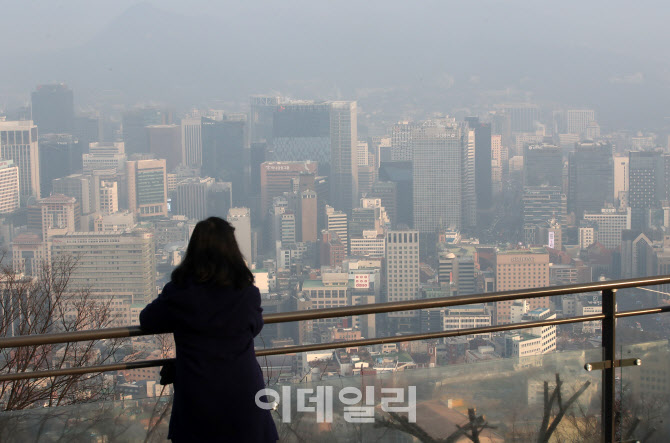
(608, 318)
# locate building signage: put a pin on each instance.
(522, 259)
(551, 239)
(362, 281)
(277, 167)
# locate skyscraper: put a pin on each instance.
(590, 177)
(240, 219)
(496, 164)
(18, 142)
(645, 189)
(325, 133)
(578, 120)
(224, 154)
(278, 177)
(338, 223)
(301, 131)
(147, 188)
(483, 157)
(523, 116)
(53, 109)
(401, 141)
(191, 142)
(542, 165)
(165, 142)
(468, 179)
(402, 276)
(260, 118)
(437, 172)
(134, 125)
(60, 155)
(343, 156)
(9, 187)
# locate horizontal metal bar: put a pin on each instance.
(428, 335)
(633, 313)
(443, 302)
(376, 308)
(600, 365)
(315, 347)
(67, 337)
(84, 370)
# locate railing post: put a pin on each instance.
(609, 346)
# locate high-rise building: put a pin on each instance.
(401, 141)
(53, 109)
(165, 142)
(343, 156)
(468, 179)
(401, 174)
(458, 272)
(521, 269)
(437, 174)
(523, 116)
(610, 223)
(57, 215)
(307, 220)
(496, 164)
(147, 188)
(224, 154)
(88, 129)
(240, 219)
(191, 142)
(219, 199)
(9, 187)
(541, 204)
(325, 133)
(260, 118)
(386, 192)
(646, 188)
(301, 131)
(119, 265)
(579, 119)
(109, 197)
(198, 198)
(278, 177)
(590, 177)
(542, 165)
(483, 158)
(402, 276)
(134, 125)
(79, 186)
(105, 156)
(637, 255)
(60, 155)
(621, 178)
(338, 223)
(18, 142)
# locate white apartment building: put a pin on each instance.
(9, 187)
(610, 222)
(18, 142)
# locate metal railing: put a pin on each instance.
(608, 317)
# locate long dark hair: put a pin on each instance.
(213, 257)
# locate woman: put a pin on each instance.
(214, 311)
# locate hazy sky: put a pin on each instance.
(611, 55)
(615, 25)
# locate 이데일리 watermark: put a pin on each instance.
(356, 408)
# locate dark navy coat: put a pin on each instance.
(217, 374)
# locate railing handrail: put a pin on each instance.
(346, 311)
(124, 366)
